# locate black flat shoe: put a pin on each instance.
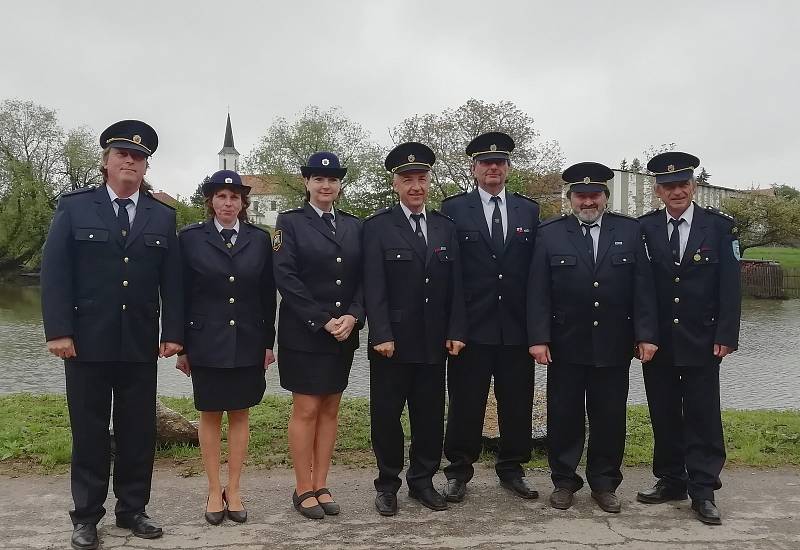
(312, 512)
(707, 512)
(140, 525)
(215, 518)
(518, 486)
(330, 508)
(386, 504)
(429, 497)
(84, 536)
(455, 490)
(239, 516)
(661, 492)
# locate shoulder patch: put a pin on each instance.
(346, 213)
(277, 240)
(527, 198)
(193, 225)
(556, 218)
(292, 210)
(79, 191)
(454, 196)
(651, 213)
(378, 213)
(445, 216)
(718, 212)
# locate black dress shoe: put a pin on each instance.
(140, 525)
(661, 492)
(386, 504)
(429, 497)
(214, 518)
(518, 486)
(608, 501)
(455, 490)
(84, 536)
(330, 508)
(311, 512)
(706, 511)
(239, 516)
(561, 498)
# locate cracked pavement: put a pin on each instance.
(760, 508)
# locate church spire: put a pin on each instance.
(228, 134)
(228, 155)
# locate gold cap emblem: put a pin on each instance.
(411, 158)
(137, 139)
(325, 162)
(493, 147)
(671, 168)
(587, 180)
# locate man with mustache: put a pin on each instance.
(591, 303)
(695, 256)
(496, 232)
(415, 307)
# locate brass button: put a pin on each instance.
(596, 323)
(676, 321)
(338, 282)
(597, 304)
(338, 304)
(677, 300)
(126, 259)
(124, 283)
(677, 279)
(232, 322)
(231, 300)
(338, 260)
(596, 284)
(231, 278)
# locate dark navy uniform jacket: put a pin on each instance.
(700, 300)
(230, 296)
(413, 294)
(591, 315)
(319, 277)
(108, 293)
(495, 288)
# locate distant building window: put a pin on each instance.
(273, 205)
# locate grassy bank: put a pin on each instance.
(788, 257)
(35, 436)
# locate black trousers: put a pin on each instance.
(468, 378)
(687, 427)
(90, 386)
(575, 392)
(391, 386)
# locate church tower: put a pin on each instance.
(228, 155)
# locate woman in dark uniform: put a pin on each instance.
(317, 251)
(230, 330)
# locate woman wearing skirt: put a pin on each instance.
(317, 255)
(230, 330)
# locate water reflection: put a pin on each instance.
(765, 373)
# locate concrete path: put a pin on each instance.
(761, 510)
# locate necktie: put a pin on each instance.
(587, 237)
(418, 226)
(675, 241)
(122, 216)
(227, 235)
(327, 217)
(497, 227)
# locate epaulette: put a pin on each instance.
(520, 195)
(651, 213)
(256, 226)
(443, 215)
(149, 194)
(378, 213)
(346, 213)
(621, 215)
(718, 212)
(79, 191)
(454, 196)
(556, 218)
(292, 210)
(193, 225)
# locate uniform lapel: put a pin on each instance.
(434, 236)
(660, 243)
(141, 219)
(214, 238)
(341, 227)
(317, 223)
(407, 233)
(605, 239)
(513, 217)
(696, 235)
(478, 217)
(576, 238)
(106, 212)
(242, 239)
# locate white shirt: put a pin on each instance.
(595, 231)
(320, 213)
(131, 207)
(423, 222)
(220, 227)
(683, 229)
(488, 209)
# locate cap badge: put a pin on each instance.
(325, 162)
(137, 139)
(411, 158)
(228, 180)
(587, 180)
(493, 147)
(671, 168)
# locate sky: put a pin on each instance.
(721, 79)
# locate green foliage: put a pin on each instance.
(788, 257)
(786, 191)
(188, 213)
(763, 220)
(703, 176)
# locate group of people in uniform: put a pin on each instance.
(479, 292)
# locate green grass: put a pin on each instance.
(35, 436)
(788, 257)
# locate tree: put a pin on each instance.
(654, 150)
(762, 220)
(449, 132)
(636, 166)
(703, 176)
(623, 165)
(197, 199)
(786, 191)
(81, 159)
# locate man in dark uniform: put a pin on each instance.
(110, 271)
(496, 232)
(591, 303)
(414, 303)
(695, 257)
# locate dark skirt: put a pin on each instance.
(314, 373)
(218, 389)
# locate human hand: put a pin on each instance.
(269, 358)
(168, 349)
(346, 324)
(332, 325)
(645, 351)
(454, 346)
(182, 364)
(386, 349)
(62, 347)
(541, 354)
(721, 350)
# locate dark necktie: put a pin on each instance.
(418, 227)
(587, 237)
(675, 241)
(497, 227)
(327, 217)
(227, 235)
(122, 216)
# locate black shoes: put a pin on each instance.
(239, 516)
(660, 493)
(455, 490)
(706, 511)
(215, 518)
(330, 508)
(84, 536)
(140, 525)
(608, 501)
(386, 504)
(312, 512)
(518, 486)
(561, 498)
(429, 497)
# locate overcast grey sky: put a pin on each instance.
(605, 79)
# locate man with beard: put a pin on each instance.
(591, 303)
(496, 232)
(695, 257)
